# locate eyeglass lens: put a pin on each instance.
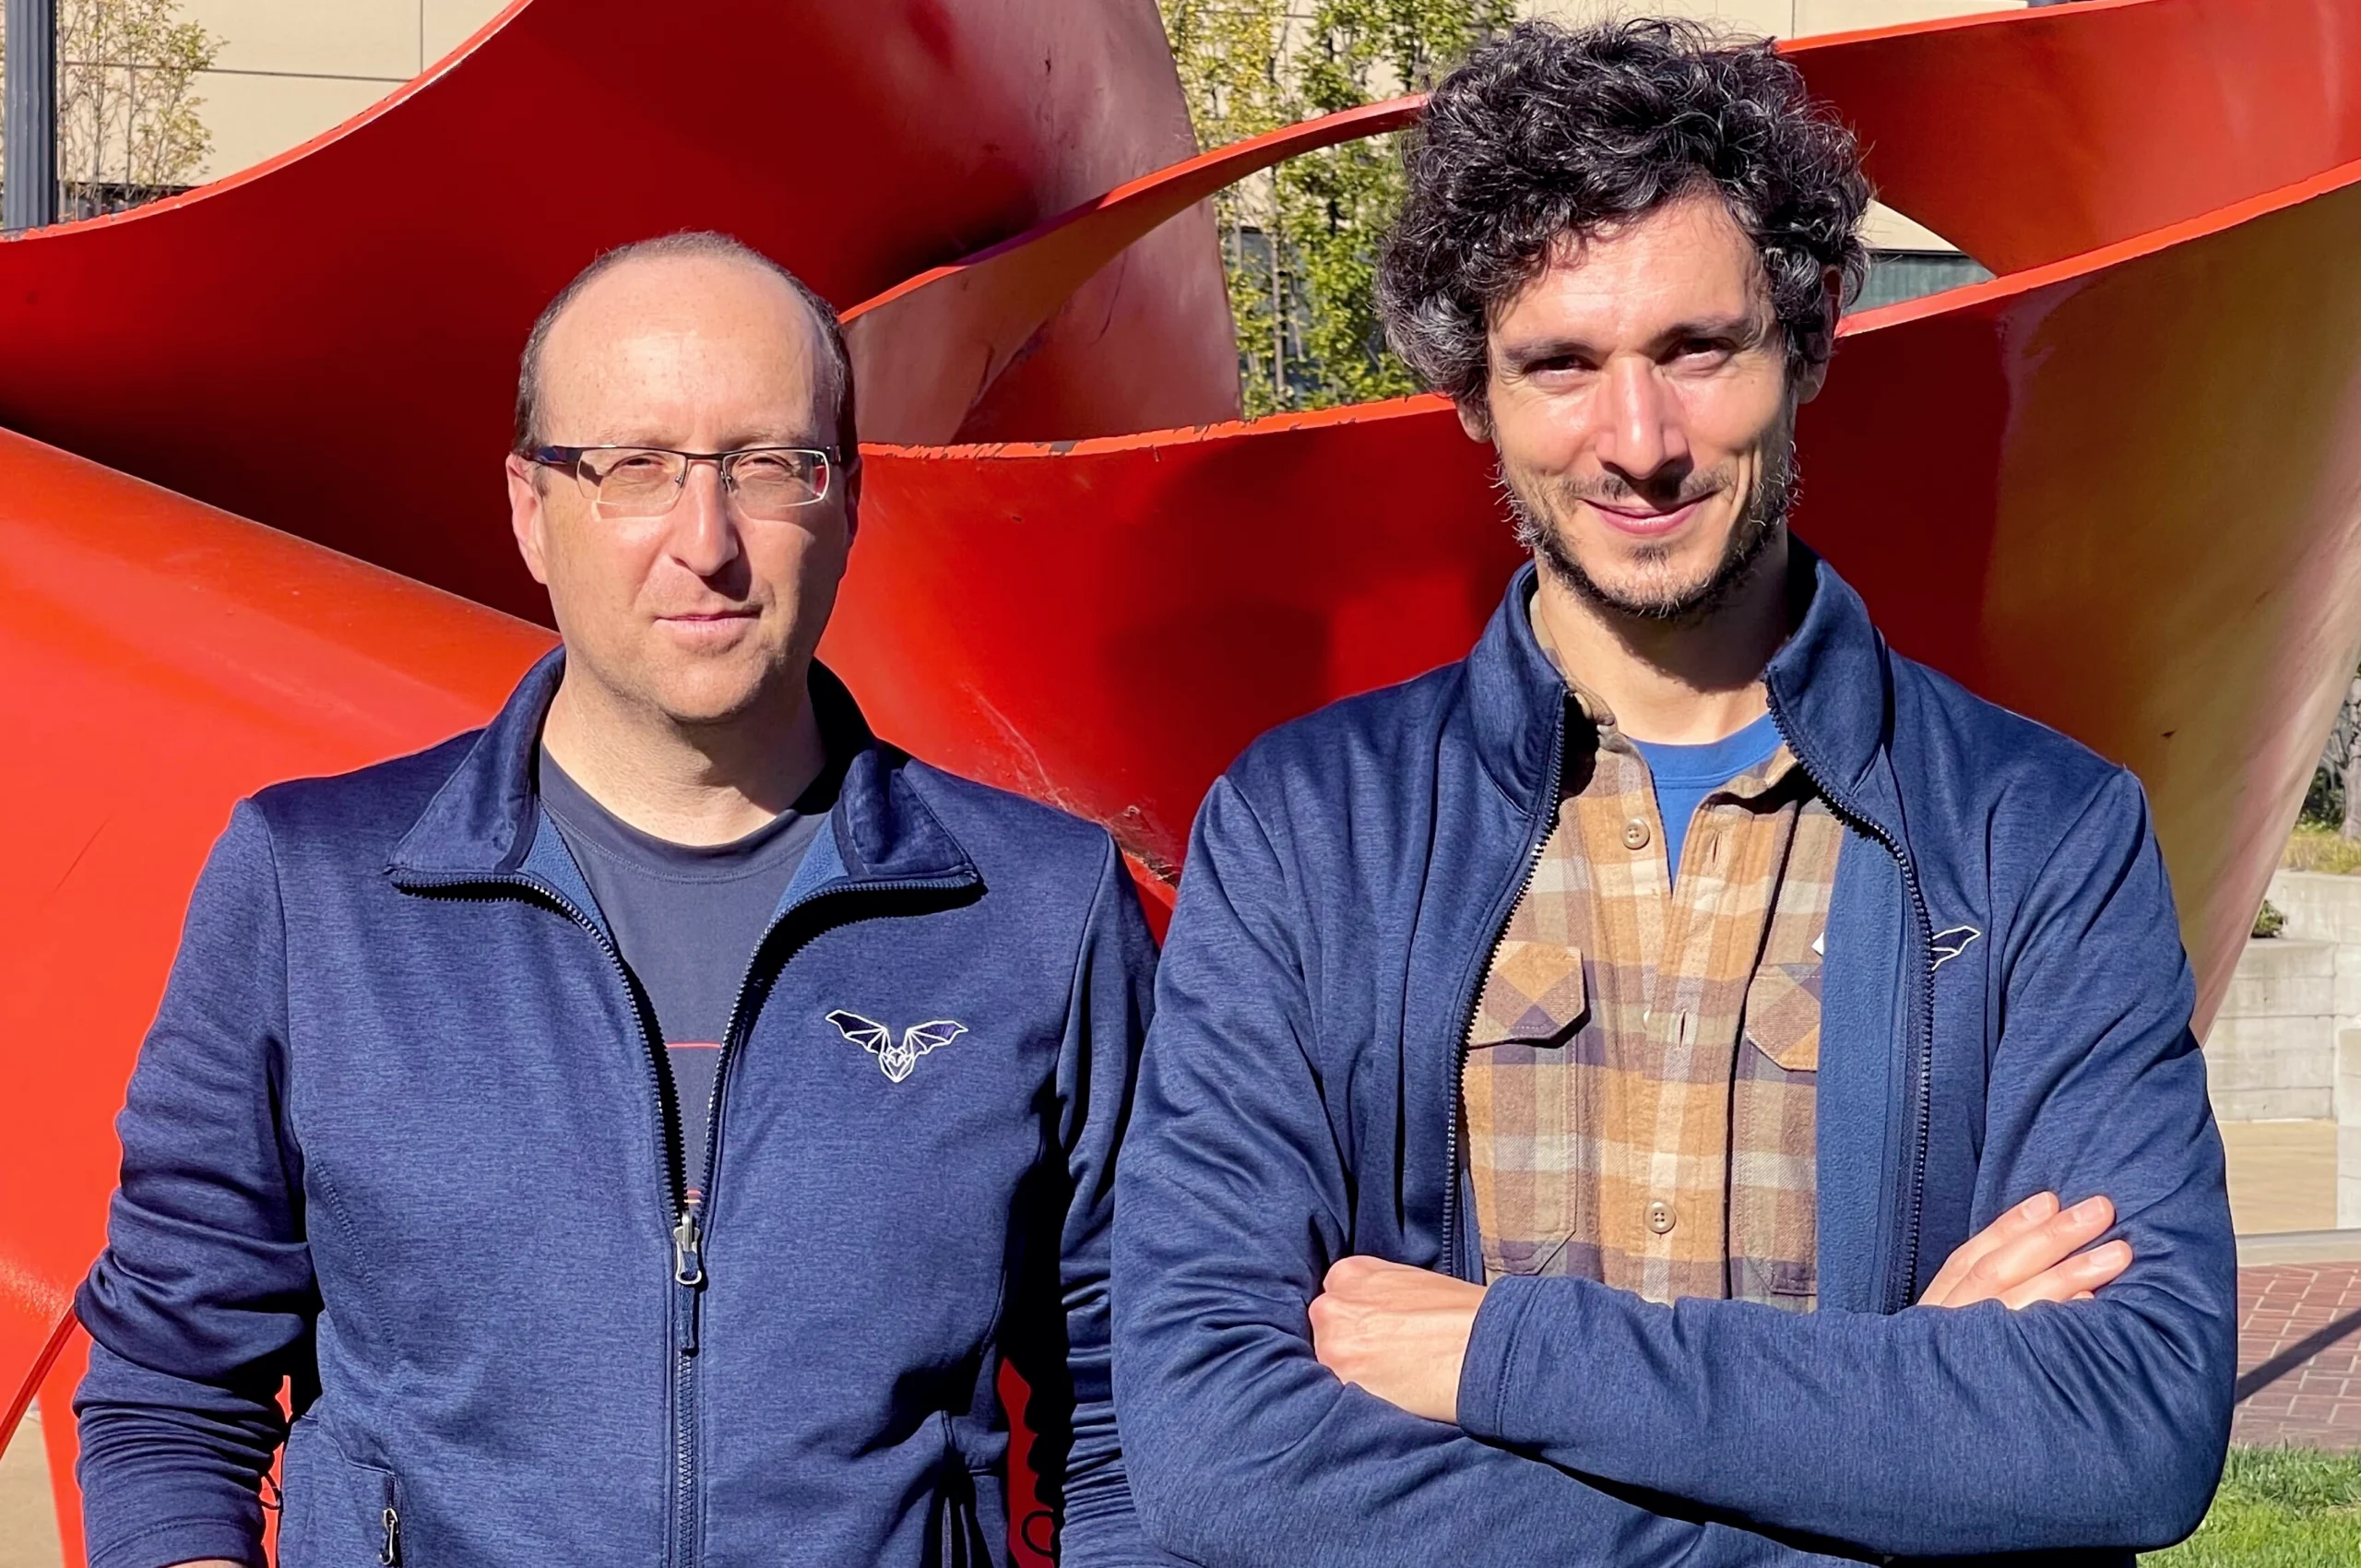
(766, 483)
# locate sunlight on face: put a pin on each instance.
(1638, 399)
(698, 613)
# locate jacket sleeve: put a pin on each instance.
(1072, 1409)
(2097, 1424)
(1233, 1199)
(205, 1293)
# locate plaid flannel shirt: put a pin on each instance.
(1641, 1065)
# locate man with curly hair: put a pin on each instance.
(1684, 1085)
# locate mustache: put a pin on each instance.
(1614, 487)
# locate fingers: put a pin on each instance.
(2031, 1252)
(2021, 1220)
(1350, 1273)
(2076, 1279)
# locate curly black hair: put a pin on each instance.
(1546, 132)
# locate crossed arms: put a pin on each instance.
(1594, 1425)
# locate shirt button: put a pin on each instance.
(1660, 1216)
(1635, 834)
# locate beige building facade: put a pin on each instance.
(1777, 19)
(284, 71)
(287, 70)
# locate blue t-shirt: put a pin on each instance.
(686, 917)
(1686, 775)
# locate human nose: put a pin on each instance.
(704, 535)
(1640, 431)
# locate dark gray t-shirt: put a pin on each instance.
(686, 917)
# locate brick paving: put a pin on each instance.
(2299, 1357)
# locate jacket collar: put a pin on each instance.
(482, 822)
(1828, 691)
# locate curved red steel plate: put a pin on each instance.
(165, 658)
(1105, 623)
(327, 343)
(2029, 136)
(2117, 488)
(928, 351)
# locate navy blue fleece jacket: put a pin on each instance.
(2006, 1009)
(400, 1135)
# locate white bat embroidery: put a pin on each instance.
(896, 1061)
(1949, 944)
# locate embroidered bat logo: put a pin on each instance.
(896, 1061)
(1949, 944)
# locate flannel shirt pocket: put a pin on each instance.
(1783, 1014)
(1534, 995)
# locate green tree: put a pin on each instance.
(1299, 242)
(2334, 802)
(127, 125)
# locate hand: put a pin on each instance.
(1399, 1332)
(2028, 1254)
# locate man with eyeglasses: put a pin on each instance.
(636, 1131)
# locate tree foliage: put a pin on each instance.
(127, 125)
(2334, 802)
(1299, 242)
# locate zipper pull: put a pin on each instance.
(688, 1259)
(688, 1274)
(391, 1552)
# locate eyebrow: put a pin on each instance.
(1746, 331)
(738, 442)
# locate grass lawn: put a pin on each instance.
(2278, 1508)
(2314, 848)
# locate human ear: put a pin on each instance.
(526, 518)
(852, 473)
(1813, 377)
(1476, 414)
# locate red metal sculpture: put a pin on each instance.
(2119, 487)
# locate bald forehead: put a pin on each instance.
(689, 288)
(652, 331)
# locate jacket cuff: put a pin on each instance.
(1499, 1365)
(180, 1540)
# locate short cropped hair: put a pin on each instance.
(691, 242)
(1547, 133)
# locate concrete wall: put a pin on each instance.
(2348, 1129)
(2272, 1052)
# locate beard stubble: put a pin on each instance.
(1539, 511)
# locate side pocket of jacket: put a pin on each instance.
(339, 1513)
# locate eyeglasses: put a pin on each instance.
(765, 484)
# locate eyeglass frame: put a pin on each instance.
(570, 460)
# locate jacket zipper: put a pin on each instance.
(688, 1236)
(1536, 839)
(389, 1548)
(686, 1246)
(1898, 1288)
